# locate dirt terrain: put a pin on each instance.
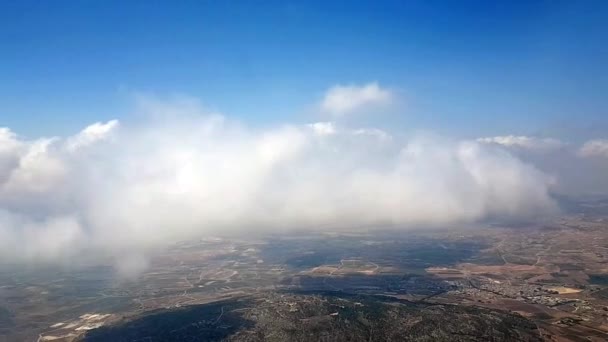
(553, 274)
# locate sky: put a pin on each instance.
(463, 68)
(128, 125)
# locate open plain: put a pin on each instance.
(552, 274)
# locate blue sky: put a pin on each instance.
(466, 68)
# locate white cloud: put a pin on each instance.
(373, 132)
(524, 142)
(10, 148)
(91, 134)
(185, 176)
(340, 100)
(323, 128)
(36, 171)
(595, 148)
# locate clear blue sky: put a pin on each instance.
(464, 67)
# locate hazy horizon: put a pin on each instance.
(125, 127)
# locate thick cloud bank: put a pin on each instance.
(579, 169)
(117, 189)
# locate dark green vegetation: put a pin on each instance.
(417, 284)
(598, 279)
(209, 322)
(321, 316)
(409, 252)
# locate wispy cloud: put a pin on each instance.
(91, 134)
(345, 99)
(323, 128)
(524, 142)
(595, 148)
(373, 132)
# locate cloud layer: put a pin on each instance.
(120, 190)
